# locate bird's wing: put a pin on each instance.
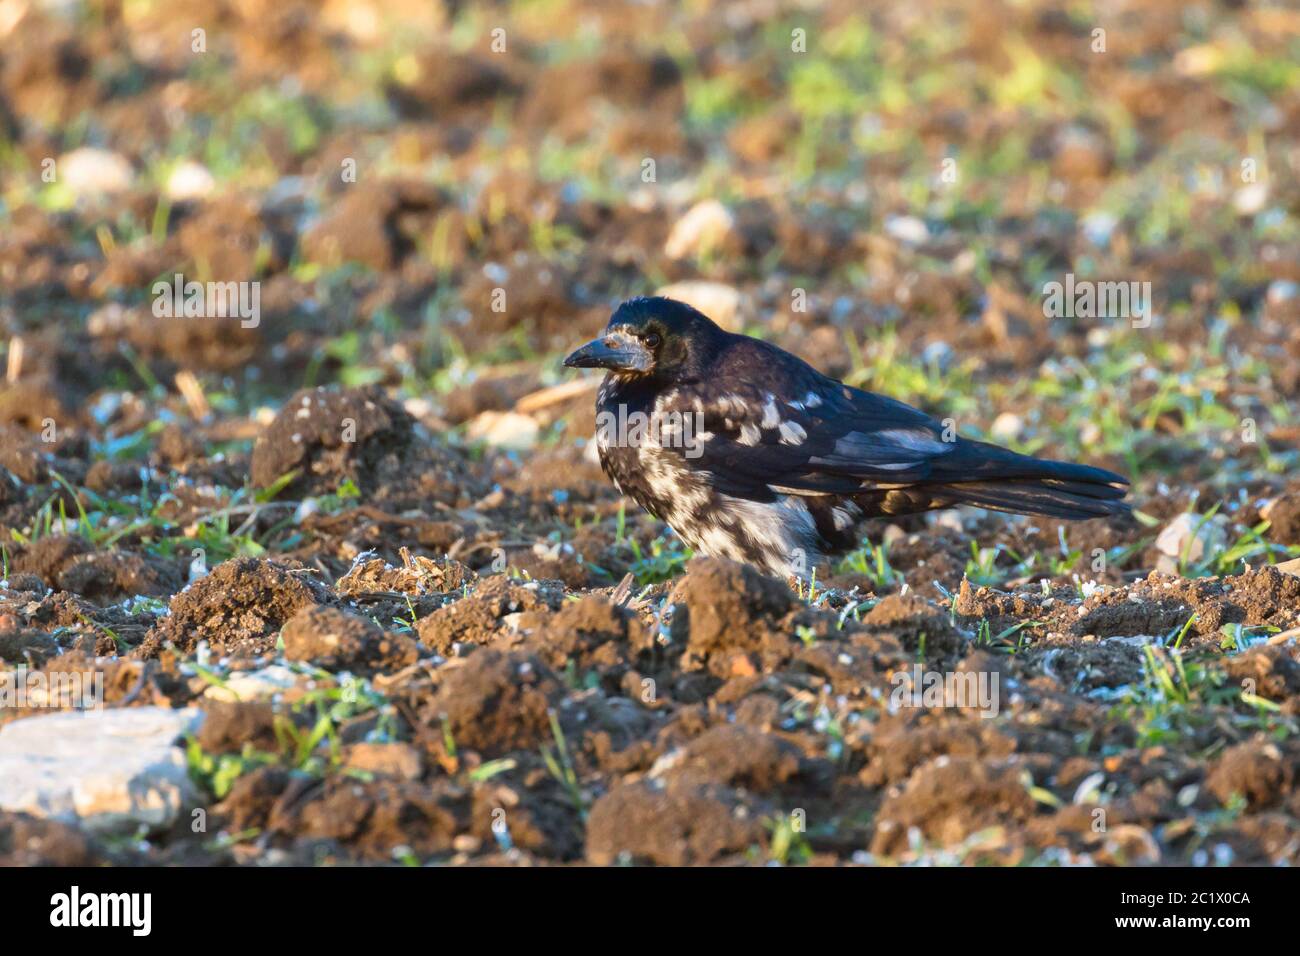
(771, 425)
(818, 437)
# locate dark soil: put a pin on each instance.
(385, 488)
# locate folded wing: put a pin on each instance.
(807, 435)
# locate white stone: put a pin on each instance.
(1098, 228)
(892, 533)
(254, 685)
(907, 229)
(306, 508)
(1291, 567)
(360, 20)
(705, 226)
(1281, 290)
(1007, 426)
(418, 407)
(94, 172)
(112, 318)
(938, 353)
(717, 300)
(1181, 537)
(1250, 199)
(1132, 640)
(190, 180)
(950, 518)
(508, 430)
(1200, 60)
(109, 769)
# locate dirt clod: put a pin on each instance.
(495, 702)
(238, 608)
(338, 640)
(327, 436)
(949, 798)
(676, 826)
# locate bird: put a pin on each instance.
(749, 453)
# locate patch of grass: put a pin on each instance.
(789, 843)
(560, 765)
(665, 559)
(872, 562)
(1002, 641)
(217, 773)
(313, 749)
(1179, 695)
(1250, 547)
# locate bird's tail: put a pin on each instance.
(1071, 500)
(1006, 481)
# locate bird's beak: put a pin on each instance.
(620, 352)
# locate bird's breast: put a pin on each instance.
(657, 478)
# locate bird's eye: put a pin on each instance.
(652, 340)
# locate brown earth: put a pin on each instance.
(500, 660)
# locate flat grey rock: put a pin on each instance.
(108, 769)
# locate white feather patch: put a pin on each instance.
(916, 440)
(792, 433)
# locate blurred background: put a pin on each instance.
(441, 198)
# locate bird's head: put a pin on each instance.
(652, 337)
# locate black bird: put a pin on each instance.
(749, 453)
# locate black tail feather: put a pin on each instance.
(1002, 480)
(1073, 501)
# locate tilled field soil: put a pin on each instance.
(365, 537)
